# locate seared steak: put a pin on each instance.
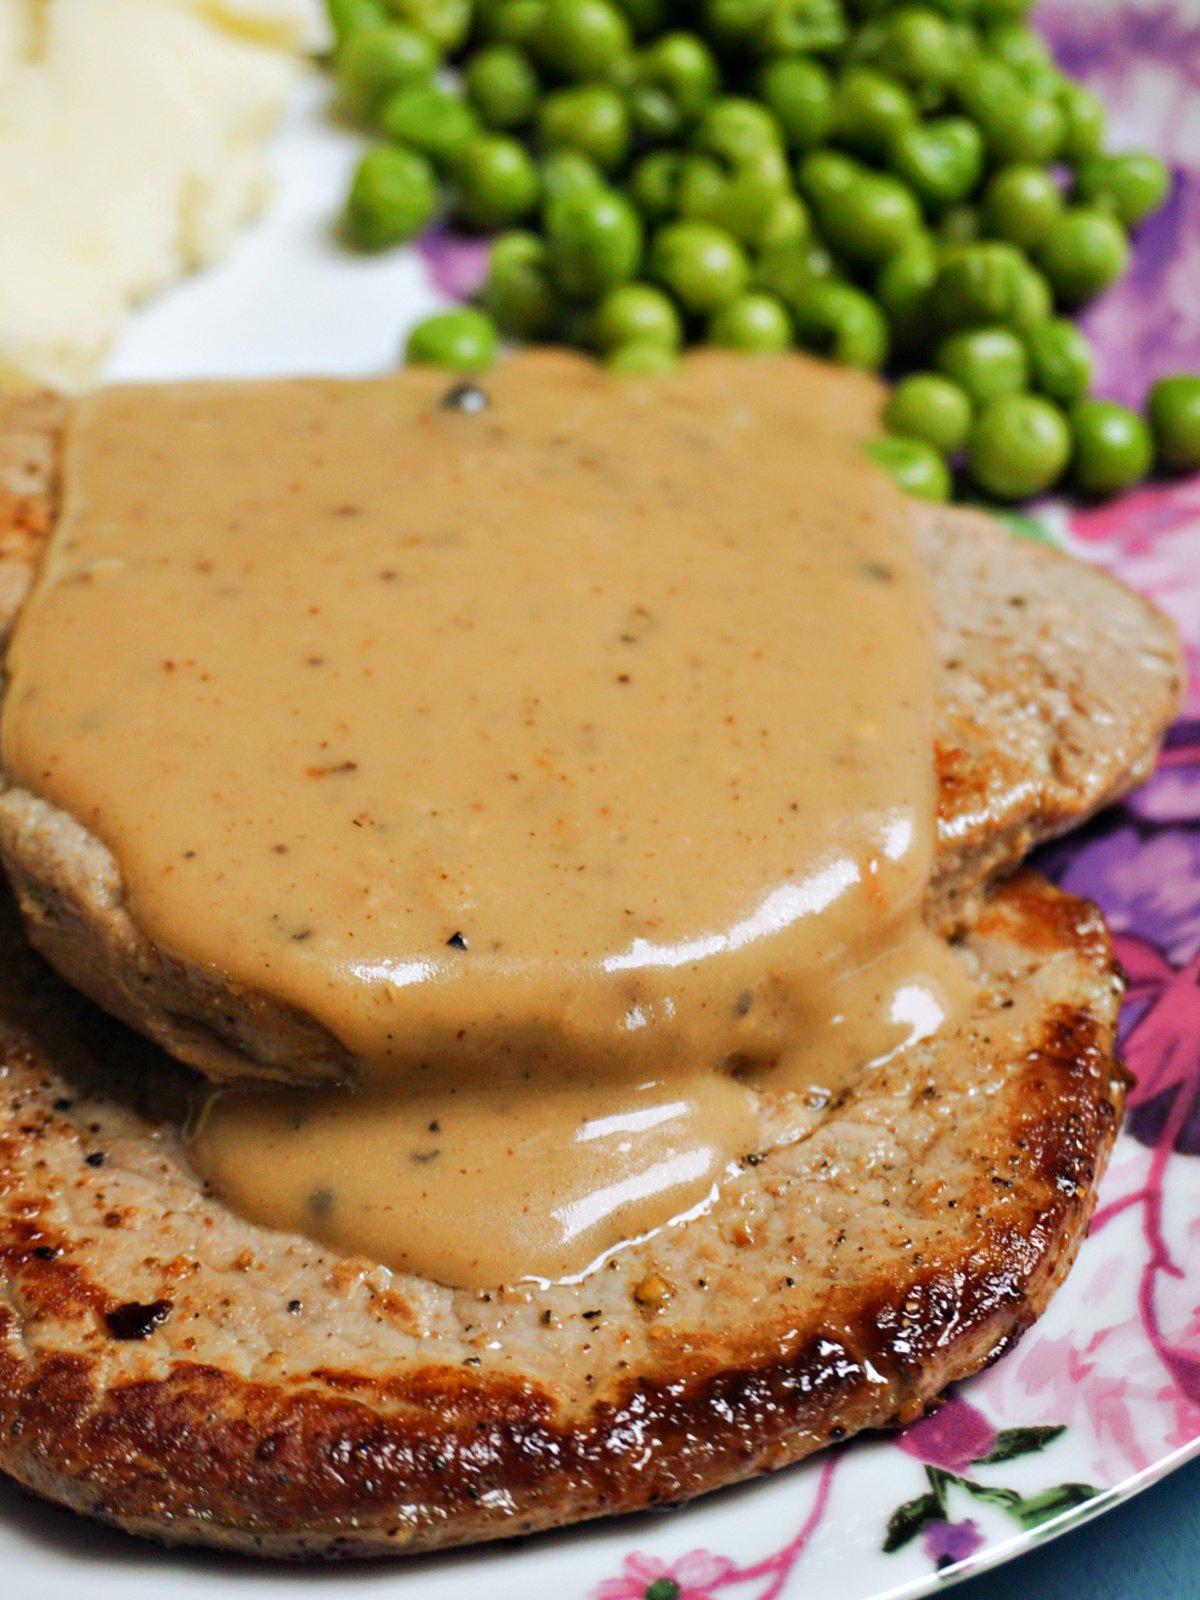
(169, 1367)
(1055, 687)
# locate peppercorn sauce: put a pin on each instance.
(562, 744)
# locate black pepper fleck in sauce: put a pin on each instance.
(467, 397)
(531, 550)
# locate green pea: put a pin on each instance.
(516, 22)
(1174, 410)
(464, 340)
(1027, 128)
(375, 62)
(393, 196)
(978, 283)
(567, 172)
(963, 32)
(914, 465)
(789, 271)
(1131, 186)
(1045, 83)
(902, 287)
(871, 220)
(842, 323)
(755, 322)
(787, 223)
(960, 224)
(348, 16)
(581, 40)
(495, 181)
(1016, 125)
(941, 159)
(919, 46)
(502, 86)
(735, 129)
(437, 124)
(868, 42)
(990, 12)
(636, 313)
(984, 362)
(701, 265)
(592, 119)
(518, 292)
(642, 360)
(676, 77)
(743, 201)
(701, 185)
(1085, 121)
(826, 177)
(654, 184)
(445, 22)
(1112, 447)
(956, 12)
(795, 27)
(1018, 47)
(1060, 360)
(1033, 299)
(1019, 447)
(647, 18)
(1082, 253)
(871, 111)
(927, 406)
(732, 22)
(594, 239)
(985, 87)
(1020, 203)
(800, 94)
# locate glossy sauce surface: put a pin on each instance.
(567, 756)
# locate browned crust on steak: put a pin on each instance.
(1055, 688)
(839, 1283)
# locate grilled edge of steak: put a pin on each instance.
(171, 1368)
(1056, 684)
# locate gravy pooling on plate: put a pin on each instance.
(562, 746)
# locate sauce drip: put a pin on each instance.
(566, 755)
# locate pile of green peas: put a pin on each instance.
(879, 182)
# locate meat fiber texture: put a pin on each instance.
(169, 1367)
(1054, 688)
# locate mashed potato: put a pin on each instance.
(131, 149)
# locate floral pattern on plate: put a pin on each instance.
(1104, 1394)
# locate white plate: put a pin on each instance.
(1115, 1363)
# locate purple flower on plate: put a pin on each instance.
(1173, 793)
(1141, 862)
(952, 1437)
(1162, 1047)
(948, 1543)
(457, 262)
(1143, 59)
(1147, 887)
(1148, 324)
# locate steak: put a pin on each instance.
(187, 1375)
(1055, 686)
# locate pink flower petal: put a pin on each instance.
(952, 1437)
(700, 1569)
